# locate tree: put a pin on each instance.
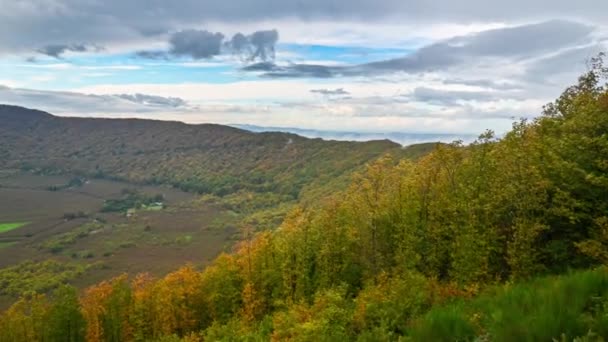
(26, 320)
(104, 307)
(177, 302)
(65, 321)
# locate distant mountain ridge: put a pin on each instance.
(206, 158)
(401, 138)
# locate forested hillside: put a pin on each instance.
(206, 158)
(426, 250)
(248, 172)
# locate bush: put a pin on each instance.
(539, 310)
(392, 302)
(38, 277)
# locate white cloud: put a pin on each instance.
(377, 107)
(472, 66)
(69, 66)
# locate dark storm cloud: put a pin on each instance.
(202, 44)
(506, 44)
(239, 44)
(197, 44)
(259, 45)
(329, 92)
(263, 43)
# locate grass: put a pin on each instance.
(543, 309)
(6, 227)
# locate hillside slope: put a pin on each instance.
(205, 158)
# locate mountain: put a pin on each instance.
(205, 158)
(402, 138)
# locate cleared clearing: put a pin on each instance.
(6, 227)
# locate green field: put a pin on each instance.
(5, 227)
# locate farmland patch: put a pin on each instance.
(154, 229)
(6, 227)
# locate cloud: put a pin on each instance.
(28, 25)
(259, 45)
(569, 61)
(78, 103)
(446, 106)
(329, 92)
(152, 54)
(57, 50)
(263, 67)
(505, 44)
(153, 100)
(70, 66)
(202, 44)
(239, 43)
(434, 63)
(294, 70)
(481, 83)
(370, 107)
(454, 97)
(197, 44)
(263, 43)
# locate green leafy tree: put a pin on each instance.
(65, 321)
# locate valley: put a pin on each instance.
(44, 219)
(101, 197)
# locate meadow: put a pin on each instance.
(5, 227)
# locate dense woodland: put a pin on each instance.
(261, 175)
(210, 159)
(501, 240)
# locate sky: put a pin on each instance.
(445, 67)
